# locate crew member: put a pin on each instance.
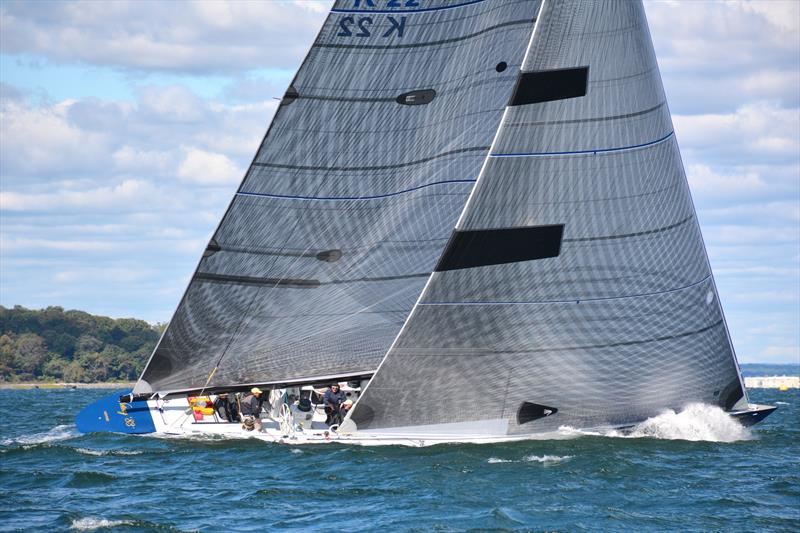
(225, 406)
(251, 407)
(332, 400)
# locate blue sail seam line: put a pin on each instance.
(376, 197)
(401, 11)
(545, 302)
(580, 152)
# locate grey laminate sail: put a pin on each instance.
(575, 289)
(351, 197)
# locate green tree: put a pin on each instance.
(54, 368)
(31, 353)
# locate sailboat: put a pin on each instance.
(470, 214)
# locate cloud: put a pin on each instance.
(42, 140)
(129, 194)
(780, 354)
(204, 167)
(92, 274)
(762, 131)
(15, 244)
(145, 139)
(712, 54)
(198, 36)
(703, 179)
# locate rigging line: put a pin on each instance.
(581, 152)
(350, 198)
(355, 266)
(335, 324)
(245, 317)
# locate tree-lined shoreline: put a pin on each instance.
(56, 346)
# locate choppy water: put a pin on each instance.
(695, 471)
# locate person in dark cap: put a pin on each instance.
(332, 400)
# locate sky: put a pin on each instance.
(126, 127)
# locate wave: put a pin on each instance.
(782, 403)
(88, 524)
(100, 453)
(547, 459)
(60, 432)
(696, 422)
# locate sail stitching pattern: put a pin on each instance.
(609, 345)
(605, 299)
(375, 197)
(582, 152)
(296, 283)
(587, 120)
(380, 167)
(626, 235)
(420, 10)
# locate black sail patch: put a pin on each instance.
(528, 412)
(549, 85)
(475, 248)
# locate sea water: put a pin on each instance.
(691, 471)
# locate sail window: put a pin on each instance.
(475, 248)
(424, 96)
(549, 85)
(528, 412)
(501, 66)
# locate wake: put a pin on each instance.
(60, 432)
(696, 422)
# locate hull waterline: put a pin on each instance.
(174, 418)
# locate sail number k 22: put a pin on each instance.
(364, 26)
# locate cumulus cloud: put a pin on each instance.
(714, 53)
(198, 36)
(204, 167)
(703, 179)
(759, 131)
(42, 140)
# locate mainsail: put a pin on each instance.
(576, 282)
(351, 197)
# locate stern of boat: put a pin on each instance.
(109, 414)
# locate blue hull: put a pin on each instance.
(109, 414)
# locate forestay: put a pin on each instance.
(575, 289)
(351, 197)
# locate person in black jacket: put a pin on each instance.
(251, 406)
(332, 400)
(226, 408)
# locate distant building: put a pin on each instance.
(772, 382)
